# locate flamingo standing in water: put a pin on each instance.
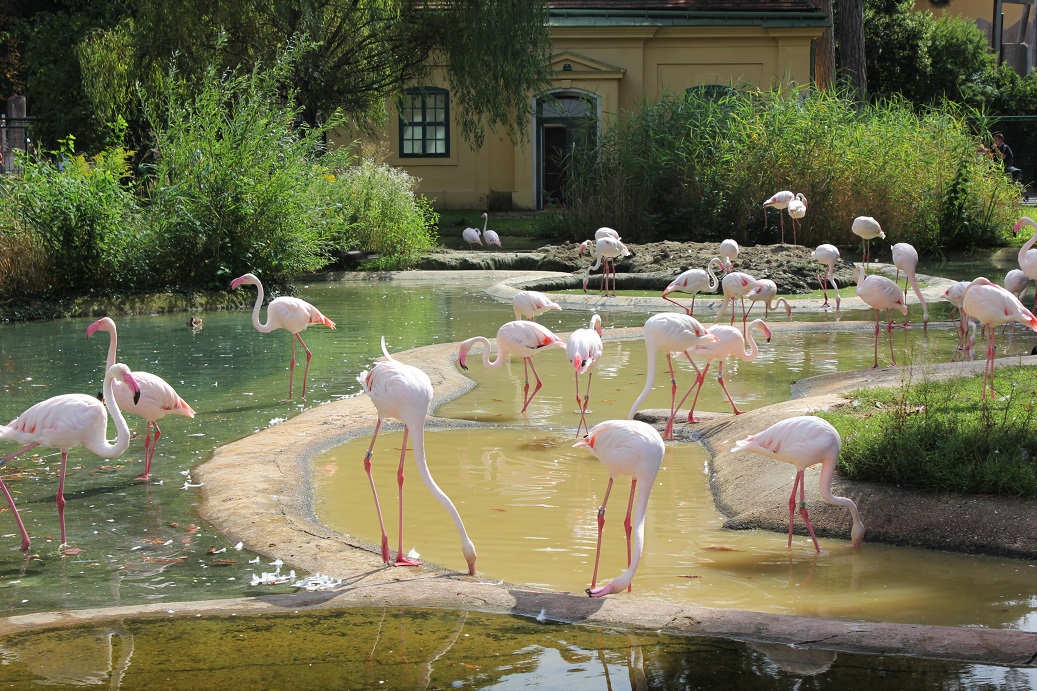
(626, 447)
(692, 282)
(779, 201)
(1028, 255)
(804, 441)
(584, 350)
(70, 420)
(880, 293)
(606, 250)
(288, 313)
(522, 338)
(404, 392)
(728, 254)
(730, 342)
(828, 255)
(529, 304)
(797, 209)
(766, 292)
(953, 295)
(992, 306)
(867, 228)
(905, 258)
(156, 400)
(736, 285)
(670, 333)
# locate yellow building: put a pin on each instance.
(1010, 26)
(607, 57)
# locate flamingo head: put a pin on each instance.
(102, 324)
(856, 534)
(462, 356)
(585, 245)
(596, 324)
(468, 549)
(247, 278)
(578, 363)
(123, 372)
(1024, 221)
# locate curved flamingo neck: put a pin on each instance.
(113, 341)
(825, 490)
(713, 280)
(122, 440)
(653, 353)
(754, 349)
(418, 437)
(1029, 243)
(495, 364)
(485, 222)
(262, 328)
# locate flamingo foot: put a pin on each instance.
(386, 558)
(144, 478)
(404, 561)
(599, 592)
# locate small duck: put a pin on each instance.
(194, 323)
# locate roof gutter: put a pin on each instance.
(686, 17)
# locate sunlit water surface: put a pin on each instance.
(439, 649)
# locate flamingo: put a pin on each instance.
(156, 400)
(730, 342)
(728, 254)
(880, 293)
(606, 250)
(797, 209)
(992, 305)
(905, 258)
(584, 350)
(626, 447)
(1027, 255)
(670, 333)
(803, 441)
(779, 201)
(490, 236)
(1016, 282)
(531, 304)
(288, 313)
(829, 256)
(736, 285)
(404, 392)
(765, 292)
(953, 295)
(692, 282)
(472, 237)
(604, 232)
(70, 420)
(867, 228)
(522, 338)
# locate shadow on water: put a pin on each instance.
(438, 649)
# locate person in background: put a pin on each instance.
(1003, 152)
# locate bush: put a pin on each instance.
(694, 168)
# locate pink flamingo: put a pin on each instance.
(905, 258)
(626, 447)
(730, 342)
(156, 400)
(880, 293)
(521, 338)
(670, 333)
(992, 306)
(471, 236)
(584, 350)
(779, 201)
(692, 282)
(804, 441)
(867, 228)
(736, 285)
(797, 209)
(606, 250)
(70, 420)
(490, 236)
(288, 313)
(531, 304)
(765, 292)
(1027, 255)
(1016, 282)
(728, 253)
(953, 295)
(404, 392)
(828, 255)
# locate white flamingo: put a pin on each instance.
(606, 251)
(780, 201)
(490, 236)
(529, 304)
(828, 255)
(880, 293)
(729, 343)
(867, 228)
(905, 258)
(797, 209)
(735, 285)
(692, 282)
(584, 351)
(766, 292)
(728, 254)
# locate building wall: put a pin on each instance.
(620, 66)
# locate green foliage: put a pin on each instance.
(935, 435)
(694, 168)
(80, 213)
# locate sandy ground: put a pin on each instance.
(273, 513)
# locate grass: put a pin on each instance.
(518, 231)
(938, 436)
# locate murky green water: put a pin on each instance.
(440, 649)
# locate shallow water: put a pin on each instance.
(418, 649)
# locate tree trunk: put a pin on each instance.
(824, 52)
(851, 47)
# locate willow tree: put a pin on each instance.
(360, 53)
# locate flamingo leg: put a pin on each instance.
(583, 407)
(601, 524)
(401, 560)
(19, 452)
(10, 499)
(781, 221)
(700, 378)
(687, 311)
(377, 506)
(875, 366)
(627, 525)
(536, 376)
(668, 432)
(60, 498)
(291, 368)
(824, 289)
(991, 352)
(691, 312)
(792, 503)
(892, 358)
(150, 444)
(805, 515)
(306, 371)
(795, 227)
(723, 386)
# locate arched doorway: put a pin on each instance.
(564, 120)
